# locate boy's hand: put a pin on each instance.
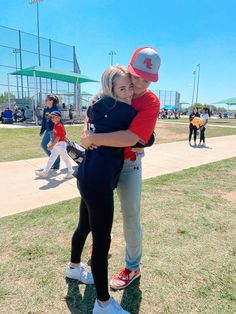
(86, 139)
(137, 150)
(50, 147)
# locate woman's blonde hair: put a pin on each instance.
(108, 80)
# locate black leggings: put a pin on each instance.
(96, 215)
(202, 135)
(192, 130)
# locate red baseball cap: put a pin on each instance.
(145, 63)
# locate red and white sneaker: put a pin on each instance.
(124, 278)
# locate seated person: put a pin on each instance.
(7, 113)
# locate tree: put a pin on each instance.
(4, 97)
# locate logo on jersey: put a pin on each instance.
(91, 127)
(148, 63)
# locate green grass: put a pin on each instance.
(224, 122)
(24, 143)
(188, 259)
(172, 132)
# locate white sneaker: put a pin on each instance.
(42, 174)
(69, 175)
(204, 145)
(111, 308)
(80, 273)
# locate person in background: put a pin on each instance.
(57, 147)
(204, 117)
(71, 114)
(193, 128)
(47, 126)
(27, 113)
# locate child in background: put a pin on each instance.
(57, 147)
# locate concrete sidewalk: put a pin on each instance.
(21, 190)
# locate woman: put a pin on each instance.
(204, 117)
(193, 128)
(51, 102)
(97, 178)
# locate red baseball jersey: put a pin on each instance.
(59, 130)
(147, 106)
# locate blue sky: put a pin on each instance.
(184, 32)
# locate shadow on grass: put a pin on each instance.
(132, 297)
(76, 303)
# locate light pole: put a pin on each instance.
(112, 53)
(39, 58)
(16, 51)
(37, 3)
(194, 81)
(198, 76)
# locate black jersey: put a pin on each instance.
(193, 115)
(103, 165)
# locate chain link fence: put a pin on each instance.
(19, 50)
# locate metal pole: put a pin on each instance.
(35, 118)
(28, 91)
(38, 34)
(165, 98)
(76, 98)
(40, 81)
(22, 85)
(8, 82)
(112, 53)
(39, 57)
(198, 65)
(15, 51)
(50, 59)
(194, 80)
(47, 86)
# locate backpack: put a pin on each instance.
(75, 151)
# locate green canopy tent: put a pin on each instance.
(64, 76)
(83, 93)
(184, 103)
(229, 101)
(49, 73)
